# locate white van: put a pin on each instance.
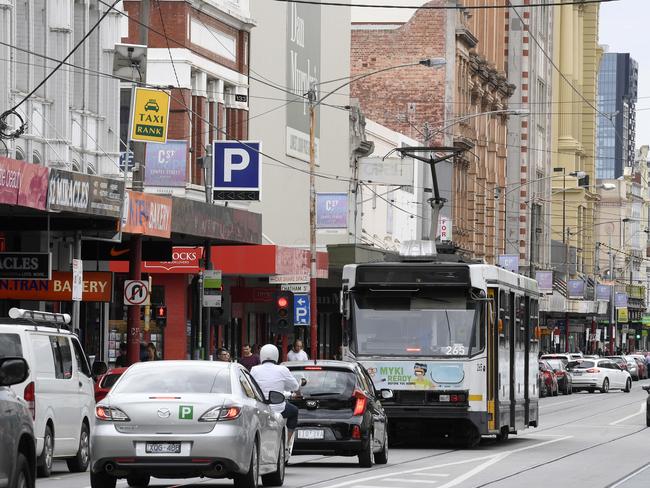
(59, 389)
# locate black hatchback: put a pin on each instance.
(340, 412)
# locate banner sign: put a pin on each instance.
(166, 164)
(77, 280)
(575, 289)
(147, 214)
(603, 293)
(509, 262)
(331, 210)
(212, 288)
(26, 265)
(150, 115)
(97, 287)
(445, 228)
(620, 299)
(77, 192)
(544, 281)
(23, 184)
(415, 375)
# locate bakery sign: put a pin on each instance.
(97, 287)
(26, 265)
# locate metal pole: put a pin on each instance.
(76, 305)
(207, 314)
(566, 259)
(497, 194)
(133, 318)
(612, 311)
(313, 343)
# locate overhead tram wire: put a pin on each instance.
(443, 7)
(4, 126)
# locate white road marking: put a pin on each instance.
(475, 471)
(402, 480)
(559, 403)
(486, 458)
(631, 475)
(442, 475)
(641, 410)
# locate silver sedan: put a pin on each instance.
(181, 419)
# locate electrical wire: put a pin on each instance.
(442, 7)
(4, 133)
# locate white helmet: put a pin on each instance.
(269, 353)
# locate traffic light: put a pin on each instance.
(161, 315)
(282, 319)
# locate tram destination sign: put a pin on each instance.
(413, 275)
(26, 265)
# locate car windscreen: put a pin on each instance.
(326, 382)
(556, 363)
(181, 379)
(10, 346)
(110, 379)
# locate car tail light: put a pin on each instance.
(30, 397)
(220, 413)
(105, 413)
(356, 432)
(361, 402)
(593, 370)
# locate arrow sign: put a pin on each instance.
(301, 310)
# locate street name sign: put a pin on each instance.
(149, 115)
(295, 287)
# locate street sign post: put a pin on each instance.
(136, 292)
(212, 284)
(237, 170)
(301, 307)
(295, 287)
(77, 280)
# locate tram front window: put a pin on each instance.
(437, 323)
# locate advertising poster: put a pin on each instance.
(166, 164)
(415, 375)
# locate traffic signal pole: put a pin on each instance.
(133, 317)
(313, 318)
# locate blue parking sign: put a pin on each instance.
(301, 308)
(236, 170)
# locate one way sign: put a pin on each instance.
(301, 307)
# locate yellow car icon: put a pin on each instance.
(151, 105)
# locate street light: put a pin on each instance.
(314, 102)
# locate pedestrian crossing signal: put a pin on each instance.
(161, 315)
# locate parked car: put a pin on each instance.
(548, 381)
(340, 412)
(627, 363)
(563, 377)
(58, 389)
(641, 364)
(599, 374)
(182, 419)
(106, 381)
(18, 459)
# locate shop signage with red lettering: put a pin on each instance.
(184, 260)
(147, 214)
(23, 184)
(97, 287)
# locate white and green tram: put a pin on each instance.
(456, 342)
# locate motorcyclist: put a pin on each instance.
(271, 376)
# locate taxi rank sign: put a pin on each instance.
(149, 115)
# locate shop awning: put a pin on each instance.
(267, 260)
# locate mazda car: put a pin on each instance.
(182, 419)
(340, 412)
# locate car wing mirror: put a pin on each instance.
(13, 370)
(276, 398)
(386, 394)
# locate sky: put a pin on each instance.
(623, 26)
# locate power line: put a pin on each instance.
(12, 111)
(441, 7)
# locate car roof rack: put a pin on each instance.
(38, 318)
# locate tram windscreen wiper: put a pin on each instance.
(448, 324)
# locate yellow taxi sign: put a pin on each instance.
(150, 115)
(622, 315)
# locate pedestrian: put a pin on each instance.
(338, 356)
(248, 359)
(297, 353)
(122, 360)
(152, 353)
(223, 354)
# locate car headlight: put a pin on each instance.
(103, 412)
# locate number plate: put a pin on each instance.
(311, 434)
(576, 373)
(162, 448)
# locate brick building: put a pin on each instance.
(446, 107)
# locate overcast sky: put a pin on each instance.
(623, 27)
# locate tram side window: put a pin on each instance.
(534, 325)
(520, 329)
(504, 316)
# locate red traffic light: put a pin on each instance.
(161, 312)
(282, 302)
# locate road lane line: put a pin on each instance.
(402, 480)
(475, 471)
(641, 410)
(630, 476)
(559, 403)
(442, 475)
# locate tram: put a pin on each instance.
(456, 342)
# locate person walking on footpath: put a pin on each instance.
(297, 353)
(248, 359)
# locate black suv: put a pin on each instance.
(340, 412)
(18, 459)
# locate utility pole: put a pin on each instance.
(313, 292)
(497, 195)
(135, 252)
(566, 259)
(612, 304)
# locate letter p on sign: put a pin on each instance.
(185, 412)
(230, 155)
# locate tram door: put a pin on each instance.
(492, 357)
(512, 334)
